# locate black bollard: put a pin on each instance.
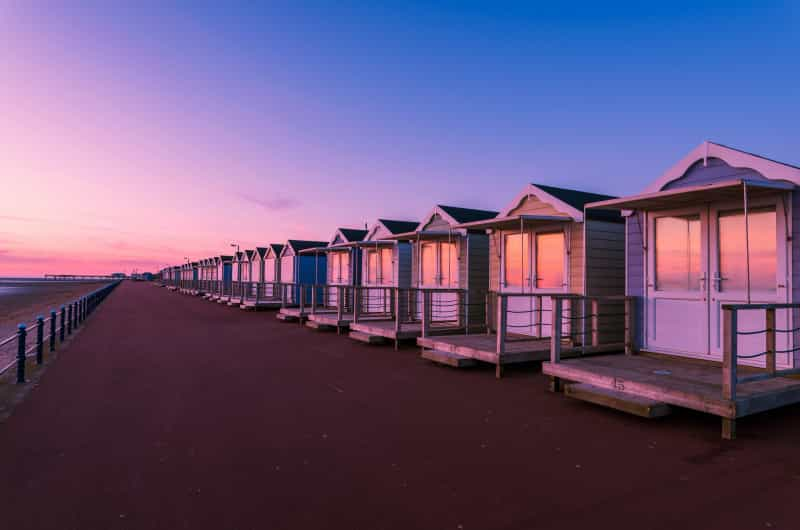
(63, 322)
(39, 339)
(21, 333)
(69, 319)
(52, 331)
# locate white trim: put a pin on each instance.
(768, 168)
(558, 204)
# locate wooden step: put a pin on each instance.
(638, 405)
(367, 338)
(319, 326)
(286, 318)
(450, 359)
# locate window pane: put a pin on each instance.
(449, 265)
(677, 253)
(386, 266)
(428, 264)
(516, 260)
(372, 266)
(550, 261)
(733, 253)
(344, 267)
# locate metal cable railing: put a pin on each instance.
(60, 325)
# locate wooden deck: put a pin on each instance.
(684, 383)
(483, 347)
(386, 328)
(252, 303)
(329, 317)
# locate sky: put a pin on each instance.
(133, 137)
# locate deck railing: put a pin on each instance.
(731, 350)
(584, 324)
(51, 330)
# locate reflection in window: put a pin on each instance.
(372, 266)
(550, 260)
(428, 265)
(516, 262)
(449, 265)
(733, 253)
(386, 275)
(677, 253)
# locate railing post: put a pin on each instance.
(398, 314)
(63, 322)
(770, 339)
(555, 342)
(502, 309)
(426, 312)
(630, 325)
(39, 339)
(538, 308)
(595, 323)
(52, 331)
(729, 368)
(21, 334)
(487, 310)
(356, 302)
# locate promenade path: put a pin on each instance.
(170, 412)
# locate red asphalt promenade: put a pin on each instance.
(170, 412)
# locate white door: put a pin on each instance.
(697, 261)
(677, 283)
(768, 274)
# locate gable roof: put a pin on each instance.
(467, 215)
(575, 198)
(275, 249)
(298, 245)
(352, 235)
(249, 254)
(261, 252)
(398, 227)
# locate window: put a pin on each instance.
(340, 267)
(550, 253)
(428, 265)
(386, 274)
(733, 251)
(439, 264)
(380, 266)
(372, 266)
(677, 253)
(516, 262)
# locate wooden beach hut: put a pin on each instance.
(234, 294)
(261, 292)
(542, 245)
(713, 293)
(175, 275)
(449, 267)
(222, 278)
(300, 272)
(343, 273)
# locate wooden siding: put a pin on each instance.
(495, 259)
(477, 252)
(716, 171)
(576, 261)
(605, 274)
(403, 265)
(533, 206)
(634, 269)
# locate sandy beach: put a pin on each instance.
(22, 300)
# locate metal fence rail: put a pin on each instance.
(47, 332)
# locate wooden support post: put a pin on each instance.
(538, 304)
(630, 325)
(52, 331)
(487, 311)
(21, 334)
(502, 316)
(729, 368)
(398, 315)
(595, 320)
(555, 341)
(770, 341)
(39, 340)
(426, 313)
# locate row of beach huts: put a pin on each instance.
(685, 295)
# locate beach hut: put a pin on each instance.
(272, 272)
(712, 293)
(222, 278)
(343, 274)
(261, 293)
(449, 267)
(300, 271)
(175, 277)
(541, 246)
(235, 295)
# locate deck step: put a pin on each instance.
(319, 326)
(632, 404)
(367, 338)
(286, 318)
(450, 359)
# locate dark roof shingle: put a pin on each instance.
(399, 227)
(467, 215)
